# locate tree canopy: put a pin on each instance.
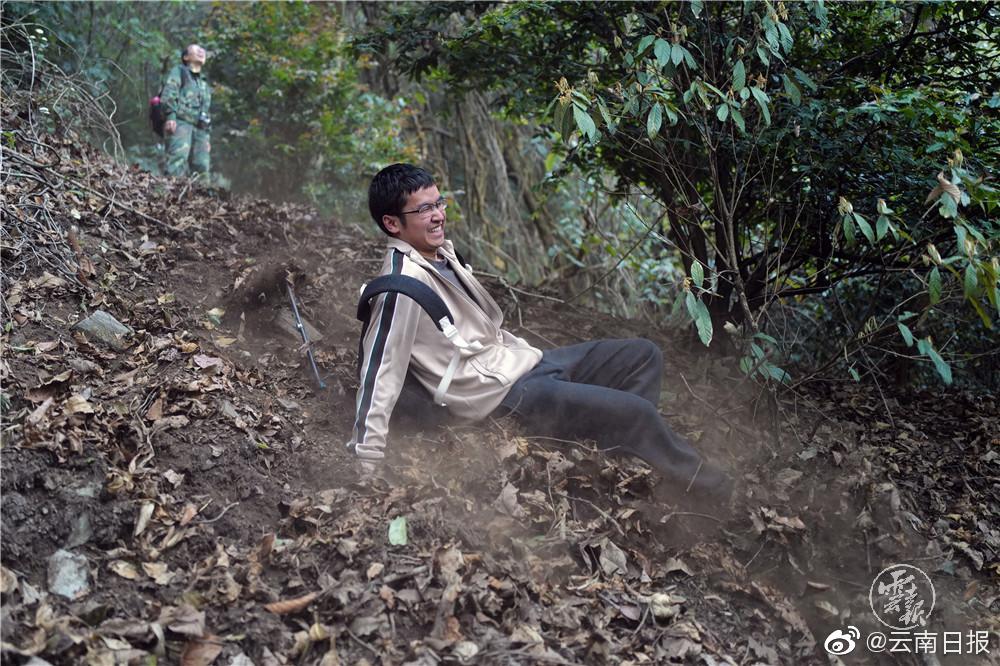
(798, 150)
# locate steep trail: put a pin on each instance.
(202, 476)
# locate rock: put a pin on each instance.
(82, 532)
(68, 574)
(103, 327)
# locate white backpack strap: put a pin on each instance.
(460, 343)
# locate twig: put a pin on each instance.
(110, 200)
(221, 514)
(596, 508)
(689, 513)
(361, 642)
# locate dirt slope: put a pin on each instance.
(198, 474)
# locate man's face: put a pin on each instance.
(423, 231)
(196, 56)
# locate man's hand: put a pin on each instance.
(170, 126)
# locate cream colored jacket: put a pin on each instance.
(401, 335)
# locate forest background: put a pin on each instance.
(810, 188)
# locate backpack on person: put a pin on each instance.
(158, 111)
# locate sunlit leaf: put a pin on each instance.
(662, 51)
(697, 273)
(702, 319)
(585, 123)
(865, 227)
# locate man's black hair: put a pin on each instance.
(390, 188)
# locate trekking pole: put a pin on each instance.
(305, 336)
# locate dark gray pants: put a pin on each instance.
(606, 391)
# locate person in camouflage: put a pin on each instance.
(187, 98)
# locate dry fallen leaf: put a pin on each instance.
(201, 652)
(77, 404)
(8, 581)
(291, 605)
(124, 569)
(183, 619)
(374, 570)
(145, 513)
(158, 572)
(173, 477)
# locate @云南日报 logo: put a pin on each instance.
(902, 597)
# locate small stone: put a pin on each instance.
(68, 575)
(465, 650)
(103, 327)
(82, 532)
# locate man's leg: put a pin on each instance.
(179, 149)
(608, 391)
(201, 151)
(634, 365)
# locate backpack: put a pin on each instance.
(157, 111)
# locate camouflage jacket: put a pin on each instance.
(185, 96)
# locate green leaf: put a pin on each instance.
(662, 51)
(676, 54)
(644, 44)
(397, 531)
(746, 365)
(785, 36)
(849, 229)
(609, 123)
(934, 286)
(762, 100)
(881, 227)
(907, 334)
(949, 207)
(654, 120)
(739, 76)
(804, 78)
(702, 319)
(777, 373)
(697, 273)
(689, 60)
(765, 336)
(585, 123)
(854, 374)
(866, 228)
(722, 112)
(696, 7)
(971, 281)
(942, 367)
(762, 54)
(792, 90)
(738, 119)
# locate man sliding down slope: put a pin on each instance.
(604, 390)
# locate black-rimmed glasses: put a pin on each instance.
(425, 210)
